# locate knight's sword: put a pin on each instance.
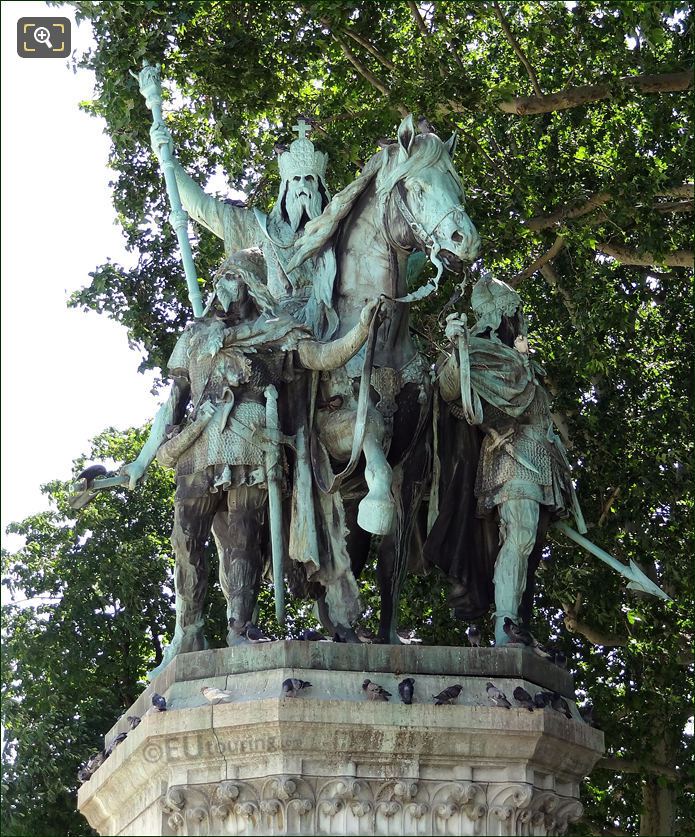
(637, 580)
(151, 88)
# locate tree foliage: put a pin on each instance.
(575, 124)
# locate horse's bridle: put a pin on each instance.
(424, 238)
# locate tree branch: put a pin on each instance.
(628, 766)
(542, 222)
(576, 210)
(518, 50)
(608, 505)
(362, 69)
(417, 17)
(550, 254)
(363, 42)
(551, 277)
(573, 97)
(677, 258)
(594, 636)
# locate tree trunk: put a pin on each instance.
(657, 798)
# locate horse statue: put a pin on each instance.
(408, 198)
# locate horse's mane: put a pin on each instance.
(383, 166)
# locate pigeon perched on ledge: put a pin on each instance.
(406, 689)
(374, 691)
(497, 697)
(159, 703)
(119, 739)
(473, 634)
(447, 696)
(133, 721)
(293, 685)
(214, 695)
(310, 635)
(523, 698)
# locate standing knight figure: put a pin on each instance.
(523, 478)
(303, 195)
(222, 367)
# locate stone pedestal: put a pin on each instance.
(331, 762)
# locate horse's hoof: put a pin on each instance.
(376, 516)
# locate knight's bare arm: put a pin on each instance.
(167, 414)
(314, 354)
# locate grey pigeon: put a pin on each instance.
(406, 688)
(424, 126)
(496, 696)
(310, 635)
(235, 202)
(214, 695)
(559, 704)
(374, 691)
(448, 695)
(119, 739)
(91, 473)
(384, 142)
(280, 148)
(518, 635)
(523, 698)
(253, 633)
(95, 762)
(83, 774)
(159, 703)
(133, 721)
(587, 713)
(292, 686)
(542, 699)
(473, 634)
(337, 637)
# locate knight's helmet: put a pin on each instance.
(302, 159)
(491, 300)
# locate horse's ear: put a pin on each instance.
(406, 135)
(451, 143)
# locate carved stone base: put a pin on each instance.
(331, 762)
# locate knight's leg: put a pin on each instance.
(376, 512)
(192, 522)
(518, 529)
(238, 529)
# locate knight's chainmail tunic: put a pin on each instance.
(229, 377)
(502, 477)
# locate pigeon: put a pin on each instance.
(542, 699)
(337, 637)
(133, 721)
(559, 704)
(83, 774)
(447, 696)
(95, 762)
(119, 739)
(365, 635)
(235, 202)
(405, 690)
(310, 635)
(473, 634)
(253, 633)
(497, 697)
(518, 635)
(384, 142)
(587, 713)
(159, 703)
(292, 686)
(424, 126)
(280, 148)
(523, 698)
(374, 691)
(214, 695)
(91, 473)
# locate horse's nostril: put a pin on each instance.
(456, 237)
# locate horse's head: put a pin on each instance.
(424, 199)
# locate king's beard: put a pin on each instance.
(303, 208)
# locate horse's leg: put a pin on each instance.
(357, 543)
(409, 479)
(376, 512)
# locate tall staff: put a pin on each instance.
(151, 88)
